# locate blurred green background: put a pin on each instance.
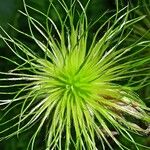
(9, 15)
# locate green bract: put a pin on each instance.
(78, 92)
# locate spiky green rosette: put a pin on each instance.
(73, 89)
